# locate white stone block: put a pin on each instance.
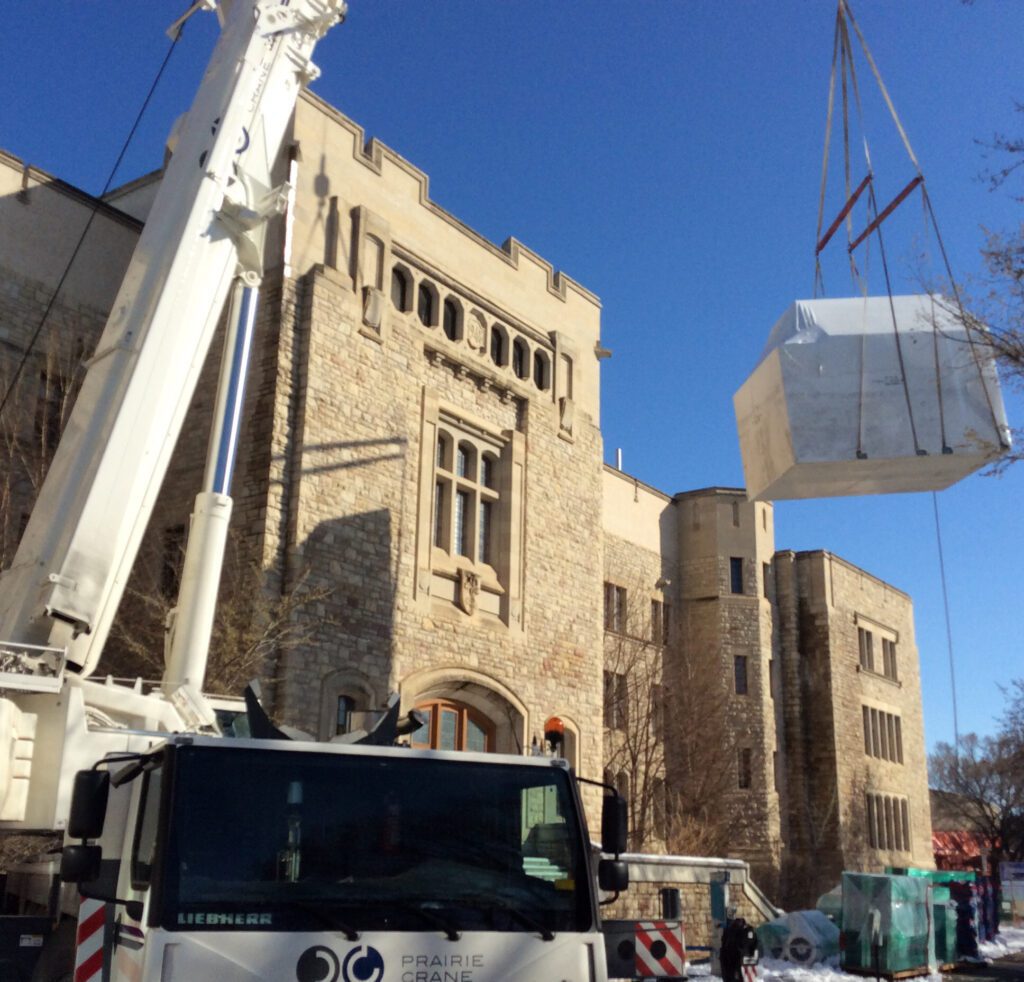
(826, 413)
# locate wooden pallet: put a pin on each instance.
(906, 973)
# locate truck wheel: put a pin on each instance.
(57, 961)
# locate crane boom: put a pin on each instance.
(60, 595)
(205, 227)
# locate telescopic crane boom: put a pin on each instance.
(204, 231)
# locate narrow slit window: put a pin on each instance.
(450, 320)
(426, 302)
(399, 289)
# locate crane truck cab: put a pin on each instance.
(268, 859)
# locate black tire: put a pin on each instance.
(57, 961)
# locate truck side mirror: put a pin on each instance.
(614, 823)
(80, 864)
(612, 875)
(88, 805)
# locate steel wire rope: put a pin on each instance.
(875, 224)
(859, 281)
(818, 278)
(97, 202)
(970, 339)
(946, 449)
(949, 632)
(964, 319)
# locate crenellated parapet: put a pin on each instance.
(414, 184)
(364, 211)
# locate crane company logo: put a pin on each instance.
(363, 964)
(318, 964)
(441, 968)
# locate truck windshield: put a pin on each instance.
(307, 841)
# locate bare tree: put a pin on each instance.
(991, 307)
(668, 747)
(634, 713)
(1012, 721)
(833, 835)
(984, 781)
(254, 624)
(37, 393)
(701, 750)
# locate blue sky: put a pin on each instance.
(666, 154)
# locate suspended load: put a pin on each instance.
(868, 396)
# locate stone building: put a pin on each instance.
(422, 449)
(416, 391)
(820, 726)
(856, 761)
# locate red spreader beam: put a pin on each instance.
(889, 209)
(851, 201)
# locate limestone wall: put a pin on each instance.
(824, 604)
(727, 624)
(692, 876)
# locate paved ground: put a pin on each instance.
(1004, 970)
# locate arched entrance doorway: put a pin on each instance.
(453, 725)
(465, 710)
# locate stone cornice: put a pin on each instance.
(37, 179)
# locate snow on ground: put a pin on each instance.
(1008, 941)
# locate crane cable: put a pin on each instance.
(843, 52)
(843, 48)
(861, 281)
(97, 202)
(919, 181)
(949, 631)
(875, 225)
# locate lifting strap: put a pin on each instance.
(842, 59)
(843, 53)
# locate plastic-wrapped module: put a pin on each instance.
(886, 925)
(868, 395)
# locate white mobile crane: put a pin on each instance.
(203, 857)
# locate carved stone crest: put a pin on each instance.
(476, 332)
(469, 588)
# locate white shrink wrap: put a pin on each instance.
(826, 412)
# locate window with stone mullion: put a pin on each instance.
(466, 499)
(485, 529)
(463, 522)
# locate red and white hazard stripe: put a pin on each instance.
(660, 949)
(749, 973)
(92, 916)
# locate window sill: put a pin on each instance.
(878, 675)
(444, 565)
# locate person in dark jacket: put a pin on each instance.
(739, 946)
